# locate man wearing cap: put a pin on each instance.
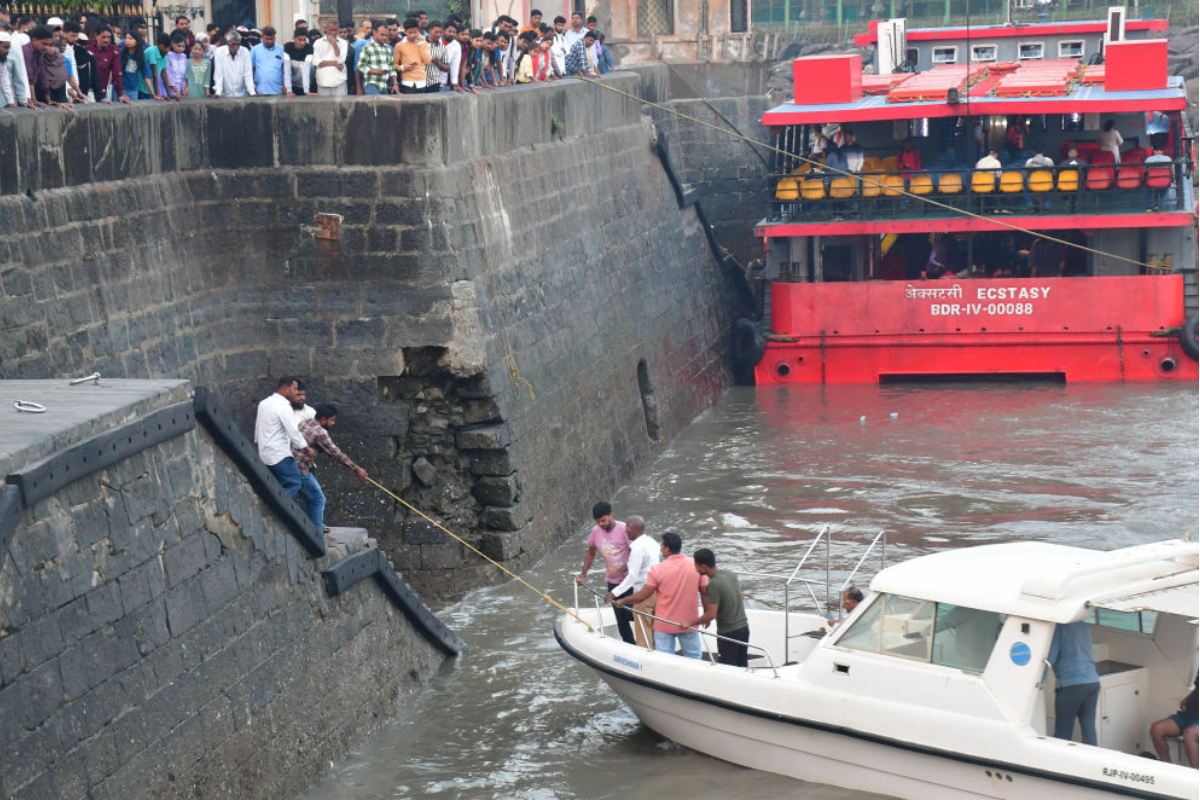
(12, 77)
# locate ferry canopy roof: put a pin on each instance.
(1081, 99)
(996, 31)
(1054, 582)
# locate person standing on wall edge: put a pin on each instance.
(275, 433)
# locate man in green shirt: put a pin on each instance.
(724, 603)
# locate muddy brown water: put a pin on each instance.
(755, 478)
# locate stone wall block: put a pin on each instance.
(491, 462)
(482, 437)
(497, 491)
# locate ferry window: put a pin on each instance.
(1027, 51)
(945, 55)
(983, 52)
(965, 637)
(894, 625)
(913, 56)
(1071, 49)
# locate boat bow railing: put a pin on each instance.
(598, 596)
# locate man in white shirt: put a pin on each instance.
(643, 554)
(577, 31)
(453, 57)
(233, 75)
(276, 433)
(987, 202)
(329, 54)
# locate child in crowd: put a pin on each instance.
(604, 61)
(156, 60)
(543, 69)
(525, 44)
(133, 67)
(175, 68)
(199, 72)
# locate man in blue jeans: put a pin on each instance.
(315, 431)
(275, 433)
(1077, 689)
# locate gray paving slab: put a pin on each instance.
(74, 413)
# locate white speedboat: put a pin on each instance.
(935, 686)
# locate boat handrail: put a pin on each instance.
(881, 536)
(597, 596)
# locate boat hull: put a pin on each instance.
(1098, 329)
(759, 721)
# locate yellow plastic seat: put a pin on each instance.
(950, 183)
(841, 188)
(871, 164)
(802, 169)
(1068, 180)
(887, 164)
(813, 189)
(921, 184)
(983, 182)
(870, 186)
(893, 185)
(1012, 182)
(1041, 180)
(787, 190)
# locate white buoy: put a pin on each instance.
(895, 415)
(862, 418)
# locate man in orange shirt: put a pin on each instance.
(535, 23)
(411, 55)
(680, 591)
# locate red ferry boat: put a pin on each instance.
(894, 253)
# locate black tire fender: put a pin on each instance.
(1188, 337)
(749, 344)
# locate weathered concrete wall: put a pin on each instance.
(727, 174)
(505, 263)
(162, 635)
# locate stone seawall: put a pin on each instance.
(162, 634)
(515, 316)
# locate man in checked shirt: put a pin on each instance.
(315, 432)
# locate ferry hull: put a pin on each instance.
(1097, 329)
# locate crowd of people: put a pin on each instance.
(93, 59)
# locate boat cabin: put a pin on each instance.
(967, 632)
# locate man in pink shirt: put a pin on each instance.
(610, 540)
(680, 589)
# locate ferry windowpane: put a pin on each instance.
(1030, 50)
(983, 52)
(1137, 621)
(965, 637)
(945, 55)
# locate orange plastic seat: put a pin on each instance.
(787, 190)
(841, 188)
(1068, 180)
(893, 185)
(921, 184)
(1012, 182)
(983, 182)
(813, 189)
(1041, 180)
(950, 183)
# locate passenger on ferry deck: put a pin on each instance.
(1184, 723)
(723, 602)
(852, 151)
(1110, 140)
(850, 600)
(643, 554)
(909, 160)
(611, 541)
(1014, 137)
(679, 587)
(1077, 688)
(1072, 160)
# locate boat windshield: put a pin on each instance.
(938, 633)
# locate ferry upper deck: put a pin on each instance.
(919, 134)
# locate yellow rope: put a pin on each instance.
(961, 211)
(475, 550)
